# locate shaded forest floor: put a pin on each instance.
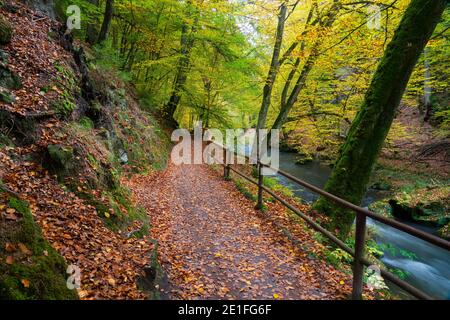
(214, 244)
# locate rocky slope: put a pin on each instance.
(69, 131)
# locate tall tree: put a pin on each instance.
(188, 31)
(274, 67)
(287, 104)
(107, 18)
(360, 151)
(91, 29)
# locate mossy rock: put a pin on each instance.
(431, 214)
(61, 159)
(39, 274)
(9, 79)
(21, 129)
(6, 96)
(304, 159)
(5, 31)
(4, 57)
(382, 186)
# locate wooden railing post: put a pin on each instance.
(358, 266)
(260, 203)
(226, 170)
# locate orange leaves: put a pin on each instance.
(109, 262)
(10, 214)
(213, 244)
(9, 247)
(9, 260)
(111, 281)
(25, 283)
(35, 55)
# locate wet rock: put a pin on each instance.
(123, 156)
(382, 185)
(304, 158)
(431, 214)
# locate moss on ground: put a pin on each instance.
(5, 31)
(30, 268)
(421, 197)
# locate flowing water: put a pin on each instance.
(428, 269)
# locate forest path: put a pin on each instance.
(213, 244)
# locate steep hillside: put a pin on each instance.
(69, 130)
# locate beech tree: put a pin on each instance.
(107, 18)
(351, 173)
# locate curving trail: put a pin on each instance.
(214, 245)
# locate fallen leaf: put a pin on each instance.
(111, 281)
(25, 282)
(9, 247)
(23, 248)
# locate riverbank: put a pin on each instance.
(412, 259)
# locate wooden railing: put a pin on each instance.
(359, 260)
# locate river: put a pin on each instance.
(429, 270)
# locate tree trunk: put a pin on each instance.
(286, 106)
(91, 29)
(274, 68)
(427, 88)
(359, 153)
(107, 18)
(184, 64)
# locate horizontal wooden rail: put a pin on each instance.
(395, 224)
(360, 230)
(384, 273)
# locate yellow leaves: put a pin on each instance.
(23, 248)
(25, 283)
(201, 290)
(111, 281)
(107, 215)
(82, 294)
(53, 203)
(276, 296)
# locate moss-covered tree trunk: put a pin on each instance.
(359, 153)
